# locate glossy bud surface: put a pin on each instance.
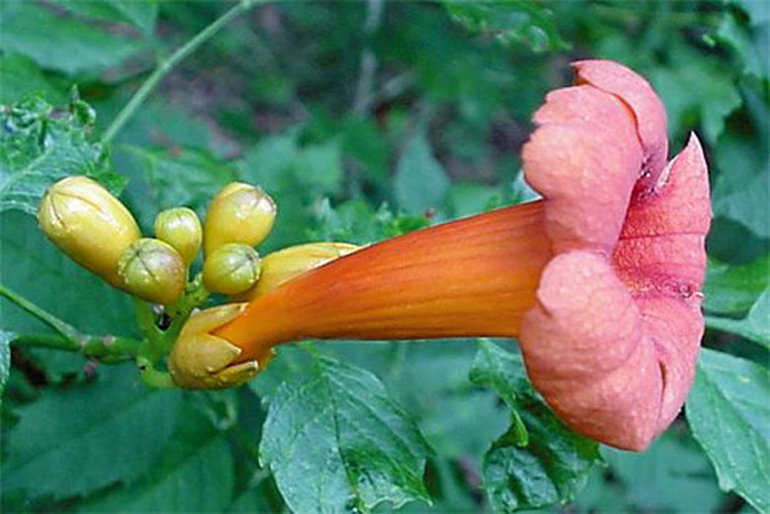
(240, 213)
(87, 223)
(153, 271)
(281, 266)
(231, 269)
(200, 360)
(181, 228)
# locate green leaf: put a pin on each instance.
(41, 145)
(279, 162)
(5, 359)
(172, 178)
(430, 380)
(740, 189)
(737, 299)
(468, 198)
(141, 13)
(755, 326)
(495, 368)
(696, 90)
(602, 495)
(553, 465)
(268, 163)
(751, 45)
(296, 177)
(36, 269)
(673, 475)
(367, 147)
(273, 88)
(734, 289)
(759, 12)
(21, 79)
(510, 21)
(75, 440)
(334, 440)
(253, 500)
(61, 43)
(420, 182)
(179, 129)
(319, 166)
(355, 221)
(730, 418)
(194, 473)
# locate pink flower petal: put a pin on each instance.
(585, 172)
(603, 112)
(584, 350)
(648, 110)
(612, 341)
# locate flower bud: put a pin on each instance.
(240, 213)
(152, 270)
(200, 360)
(231, 269)
(88, 224)
(281, 266)
(181, 228)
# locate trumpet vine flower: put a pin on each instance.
(599, 281)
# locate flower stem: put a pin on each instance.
(152, 377)
(145, 319)
(109, 349)
(195, 296)
(166, 66)
(69, 332)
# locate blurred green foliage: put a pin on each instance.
(363, 120)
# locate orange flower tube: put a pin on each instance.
(599, 281)
(476, 276)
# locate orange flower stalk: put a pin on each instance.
(446, 281)
(599, 281)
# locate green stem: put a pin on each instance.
(152, 377)
(109, 349)
(65, 329)
(145, 319)
(195, 296)
(159, 343)
(166, 66)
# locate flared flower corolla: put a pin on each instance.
(612, 340)
(600, 280)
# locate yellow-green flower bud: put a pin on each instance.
(200, 360)
(240, 213)
(152, 270)
(88, 224)
(281, 266)
(231, 269)
(181, 228)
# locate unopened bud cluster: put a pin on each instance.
(97, 231)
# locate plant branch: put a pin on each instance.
(69, 332)
(166, 66)
(109, 349)
(362, 100)
(195, 296)
(153, 377)
(363, 95)
(153, 345)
